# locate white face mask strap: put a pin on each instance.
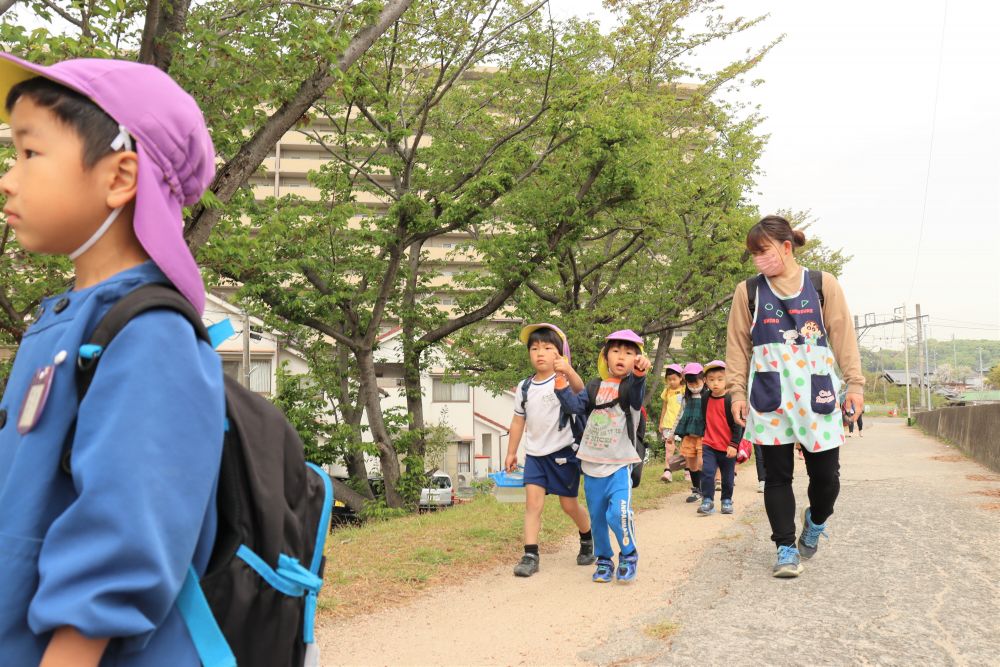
(121, 140)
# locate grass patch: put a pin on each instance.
(663, 630)
(385, 563)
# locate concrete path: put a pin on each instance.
(909, 577)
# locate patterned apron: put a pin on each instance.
(793, 387)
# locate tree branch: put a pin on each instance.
(234, 174)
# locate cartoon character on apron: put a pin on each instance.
(793, 387)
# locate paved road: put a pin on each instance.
(909, 577)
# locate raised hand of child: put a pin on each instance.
(562, 365)
(642, 364)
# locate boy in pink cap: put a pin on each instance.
(96, 549)
(608, 449)
(673, 403)
(720, 442)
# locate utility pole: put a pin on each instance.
(927, 382)
(981, 385)
(954, 353)
(920, 359)
(246, 350)
(906, 357)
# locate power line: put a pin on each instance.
(930, 150)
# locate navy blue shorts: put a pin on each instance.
(558, 473)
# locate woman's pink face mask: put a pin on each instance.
(770, 263)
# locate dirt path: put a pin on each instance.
(499, 619)
(908, 577)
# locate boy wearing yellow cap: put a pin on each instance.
(551, 465)
(608, 451)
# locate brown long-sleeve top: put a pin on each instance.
(836, 318)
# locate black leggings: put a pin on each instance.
(860, 423)
(823, 469)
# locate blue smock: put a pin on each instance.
(106, 549)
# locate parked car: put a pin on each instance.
(437, 492)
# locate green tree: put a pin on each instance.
(217, 51)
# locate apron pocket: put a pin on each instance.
(823, 398)
(765, 394)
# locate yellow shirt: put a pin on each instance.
(671, 407)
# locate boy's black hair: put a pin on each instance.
(95, 128)
(672, 371)
(620, 343)
(715, 369)
(545, 335)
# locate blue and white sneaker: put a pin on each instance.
(788, 565)
(627, 568)
(809, 539)
(707, 507)
(605, 570)
(727, 506)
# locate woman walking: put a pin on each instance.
(789, 330)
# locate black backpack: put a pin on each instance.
(815, 277)
(636, 432)
(256, 603)
(577, 423)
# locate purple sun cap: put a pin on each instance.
(176, 156)
(693, 368)
(676, 368)
(715, 363)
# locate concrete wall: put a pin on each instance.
(975, 430)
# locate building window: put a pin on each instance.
(465, 457)
(445, 392)
(260, 373)
(487, 444)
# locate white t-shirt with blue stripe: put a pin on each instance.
(541, 425)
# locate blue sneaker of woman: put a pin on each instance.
(605, 570)
(788, 564)
(811, 532)
(627, 567)
(707, 507)
(727, 506)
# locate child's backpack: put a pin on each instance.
(577, 423)
(256, 604)
(636, 432)
(815, 277)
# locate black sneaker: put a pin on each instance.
(694, 497)
(586, 555)
(527, 567)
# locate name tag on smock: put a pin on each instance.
(34, 399)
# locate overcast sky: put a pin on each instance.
(850, 101)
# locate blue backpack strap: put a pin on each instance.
(213, 650)
(317, 560)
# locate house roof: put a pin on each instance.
(981, 396)
(495, 424)
(899, 377)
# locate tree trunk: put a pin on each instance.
(412, 354)
(165, 21)
(358, 471)
(659, 361)
(388, 458)
(348, 496)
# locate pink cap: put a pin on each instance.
(715, 363)
(693, 368)
(176, 156)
